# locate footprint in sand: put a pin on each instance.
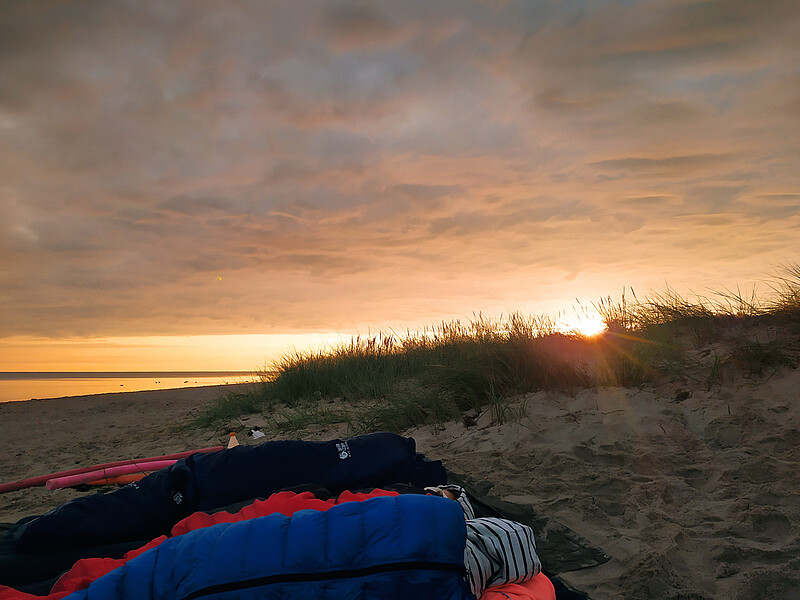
(788, 439)
(696, 478)
(771, 583)
(721, 433)
(590, 455)
(771, 527)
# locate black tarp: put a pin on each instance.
(559, 548)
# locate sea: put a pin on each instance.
(20, 386)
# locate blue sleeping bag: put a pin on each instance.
(151, 506)
(404, 547)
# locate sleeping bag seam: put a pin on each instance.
(344, 574)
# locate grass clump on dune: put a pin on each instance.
(461, 369)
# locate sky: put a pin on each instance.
(203, 184)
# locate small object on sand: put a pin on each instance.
(681, 395)
(256, 433)
(233, 441)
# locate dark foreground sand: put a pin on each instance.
(693, 497)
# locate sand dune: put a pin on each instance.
(692, 498)
(694, 494)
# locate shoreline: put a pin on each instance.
(222, 388)
(16, 375)
(24, 389)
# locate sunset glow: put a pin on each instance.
(587, 327)
(207, 185)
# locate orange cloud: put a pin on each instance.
(342, 166)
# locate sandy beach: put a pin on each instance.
(693, 493)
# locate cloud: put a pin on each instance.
(196, 167)
(661, 167)
(356, 26)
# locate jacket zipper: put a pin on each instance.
(298, 577)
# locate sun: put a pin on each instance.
(586, 325)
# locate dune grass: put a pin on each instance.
(458, 370)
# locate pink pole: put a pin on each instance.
(43, 479)
(138, 467)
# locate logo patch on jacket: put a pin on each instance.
(343, 449)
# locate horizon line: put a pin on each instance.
(130, 374)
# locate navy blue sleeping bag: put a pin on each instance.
(408, 546)
(151, 506)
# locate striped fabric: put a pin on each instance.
(461, 497)
(499, 551)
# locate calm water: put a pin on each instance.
(15, 387)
